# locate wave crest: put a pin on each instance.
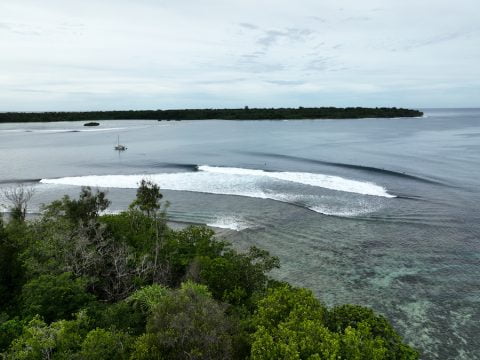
(312, 179)
(289, 187)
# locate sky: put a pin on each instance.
(164, 54)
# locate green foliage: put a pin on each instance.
(284, 303)
(59, 340)
(293, 324)
(360, 344)
(100, 344)
(148, 198)
(145, 291)
(69, 335)
(357, 317)
(182, 247)
(88, 206)
(9, 330)
(134, 229)
(145, 348)
(290, 325)
(88, 249)
(120, 316)
(148, 297)
(188, 324)
(36, 342)
(190, 287)
(11, 270)
(306, 339)
(54, 297)
(234, 277)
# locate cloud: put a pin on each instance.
(436, 39)
(286, 82)
(272, 37)
(223, 81)
(248, 26)
(20, 29)
(318, 19)
(320, 63)
(225, 52)
(357, 18)
(254, 66)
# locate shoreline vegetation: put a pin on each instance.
(75, 284)
(300, 113)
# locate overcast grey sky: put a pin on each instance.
(158, 54)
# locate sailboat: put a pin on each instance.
(119, 147)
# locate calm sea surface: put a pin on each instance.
(378, 212)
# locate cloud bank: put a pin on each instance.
(158, 54)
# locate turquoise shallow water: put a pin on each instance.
(384, 213)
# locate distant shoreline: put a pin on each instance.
(301, 113)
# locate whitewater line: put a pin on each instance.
(318, 180)
(225, 181)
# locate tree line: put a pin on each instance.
(225, 114)
(77, 283)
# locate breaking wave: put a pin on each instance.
(290, 187)
(318, 180)
(225, 180)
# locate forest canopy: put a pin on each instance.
(78, 284)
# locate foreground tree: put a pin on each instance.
(148, 198)
(364, 320)
(293, 324)
(234, 277)
(11, 269)
(186, 324)
(54, 297)
(124, 286)
(18, 198)
(101, 344)
(86, 208)
(60, 340)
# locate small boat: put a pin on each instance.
(119, 147)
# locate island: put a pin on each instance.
(92, 123)
(246, 113)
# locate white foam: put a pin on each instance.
(312, 179)
(229, 222)
(346, 212)
(247, 183)
(228, 181)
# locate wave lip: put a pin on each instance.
(318, 180)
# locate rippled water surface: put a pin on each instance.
(380, 212)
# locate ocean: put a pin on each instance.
(378, 212)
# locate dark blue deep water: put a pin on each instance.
(379, 212)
